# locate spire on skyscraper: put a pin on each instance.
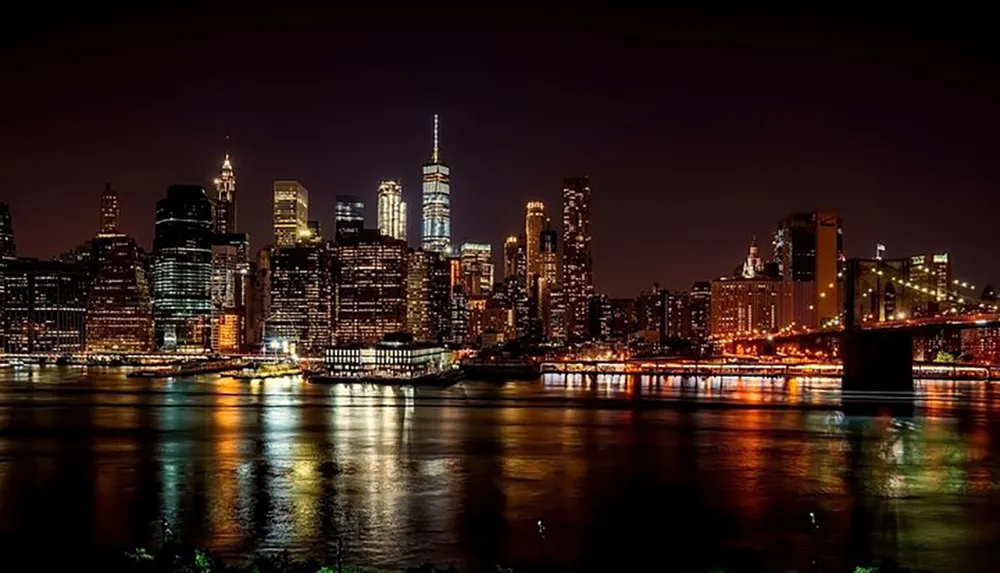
(436, 153)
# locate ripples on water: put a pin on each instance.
(622, 470)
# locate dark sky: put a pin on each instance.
(697, 132)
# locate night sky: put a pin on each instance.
(696, 133)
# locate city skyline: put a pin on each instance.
(689, 166)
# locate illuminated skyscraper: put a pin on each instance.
(577, 274)
(350, 216)
(291, 213)
(808, 247)
(436, 200)
(427, 295)
(46, 306)
(371, 291)
(224, 198)
(301, 298)
(700, 310)
(534, 224)
(510, 253)
(8, 251)
(230, 283)
(548, 280)
(477, 268)
(119, 308)
(391, 210)
(110, 211)
(182, 269)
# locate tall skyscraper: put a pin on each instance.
(510, 250)
(301, 298)
(534, 224)
(371, 291)
(182, 269)
(391, 210)
(436, 200)
(577, 275)
(548, 280)
(8, 251)
(700, 309)
(230, 283)
(291, 213)
(808, 247)
(119, 307)
(110, 211)
(477, 268)
(350, 216)
(224, 198)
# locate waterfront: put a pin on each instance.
(622, 470)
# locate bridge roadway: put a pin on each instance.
(729, 368)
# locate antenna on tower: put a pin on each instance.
(435, 155)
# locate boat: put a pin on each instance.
(437, 379)
(188, 369)
(270, 371)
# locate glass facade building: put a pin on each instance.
(436, 200)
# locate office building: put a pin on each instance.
(301, 299)
(746, 306)
(388, 359)
(119, 306)
(182, 269)
(230, 283)
(477, 268)
(420, 267)
(258, 300)
(932, 271)
(534, 224)
(548, 279)
(577, 274)
(622, 318)
(677, 316)
(350, 216)
(372, 288)
(46, 307)
(700, 309)
(436, 200)
(8, 253)
(224, 199)
(808, 247)
(599, 314)
(291, 213)
(511, 247)
(110, 212)
(391, 210)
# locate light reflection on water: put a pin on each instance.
(696, 467)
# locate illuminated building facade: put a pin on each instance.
(46, 307)
(301, 299)
(388, 359)
(700, 310)
(372, 289)
(119, 307)
(548, 279)
(350, 216)
(291, 213)
(808, 247)
(110, 211)
(436, 200)
(8, 252)
(391, 210)
(744, 306)
(511, 247)
(577, 272)
(419, 274)
(677, 316)
(258, 299)
(534, 224)
(622, 317)
(224, 198)
(649, 310)
(230, 283)
(182, 269)
(477, 268)
(933, 271)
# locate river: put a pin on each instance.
(621, 471)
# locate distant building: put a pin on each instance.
(746, 306)
(391, 210)
(224, 199)
(119, 305)
(600, 317)
(548, 279)
(230, 283)
(291, 213)
(808, 247)
(388, 360)
(578, 275)
(436, 200)
(8, 253)
(301, 299)
(477, 268)
(110, 212)
(649, 311)
(622, 318)
(512, 246)
(933, 271)
(182, 269)
(350, 216)
(534, 224)
(372, 288)
(700, 304)
(258, 299)
(426, 285)
(677, 316)
(45, 308)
